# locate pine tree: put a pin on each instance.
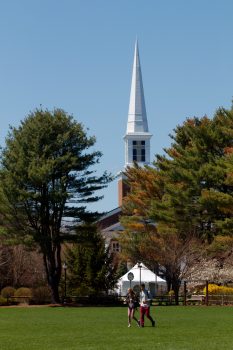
(46, 176)
(90, 266)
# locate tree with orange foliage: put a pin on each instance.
(160, 246)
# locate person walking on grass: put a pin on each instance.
(145, 306)
(131, 300)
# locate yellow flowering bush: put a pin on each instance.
(219, 290)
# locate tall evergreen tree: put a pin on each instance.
(201, 163)
(46, 176)
(196, 193)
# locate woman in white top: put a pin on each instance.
(145, 306)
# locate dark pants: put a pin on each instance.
(145, 311)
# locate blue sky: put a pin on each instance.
(78, 55)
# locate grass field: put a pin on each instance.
(97, 328)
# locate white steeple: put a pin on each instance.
(137, 138)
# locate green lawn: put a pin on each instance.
(93, 328)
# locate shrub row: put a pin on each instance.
(214, 289)
(39, 295)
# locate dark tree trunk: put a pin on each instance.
(168, 276)
(176, 288)
(54, 284)
(52, 263)
(173, 282)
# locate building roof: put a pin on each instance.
(110, 220)
(143, 272)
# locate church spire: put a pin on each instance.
(137, 119)
(137, 138)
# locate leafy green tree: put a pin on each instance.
(46, 177)
(90, 266)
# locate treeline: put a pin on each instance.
(177, 215)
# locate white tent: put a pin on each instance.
(153, 282)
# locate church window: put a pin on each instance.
(139, 151)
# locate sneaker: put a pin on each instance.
(138, 323)
(153, 323)
(129, 325)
